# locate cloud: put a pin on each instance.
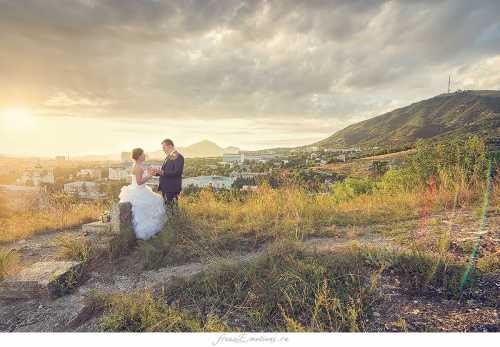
(333, 61)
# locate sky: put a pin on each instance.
(102, 76)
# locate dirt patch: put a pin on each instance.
(401, 312)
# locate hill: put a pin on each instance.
(200, 149)
(461, 113)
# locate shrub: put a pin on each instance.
(452, 158)
(396, 181)
(79, 249)
(351, 187)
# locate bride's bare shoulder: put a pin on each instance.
(137, 169)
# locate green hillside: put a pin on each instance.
(461, 113)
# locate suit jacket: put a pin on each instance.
(171, 179)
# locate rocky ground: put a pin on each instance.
(397, 312)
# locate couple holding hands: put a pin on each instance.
(148, 207)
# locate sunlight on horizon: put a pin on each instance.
(31, 133)
(17, 119)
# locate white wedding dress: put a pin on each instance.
(148, 209)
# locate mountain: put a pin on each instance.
(201, 149)
(462, 113)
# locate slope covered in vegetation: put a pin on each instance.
(460, 114)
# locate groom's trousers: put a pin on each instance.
(170, 199)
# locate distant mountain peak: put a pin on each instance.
(205, 142)
(203, 148)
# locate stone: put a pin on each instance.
(123, 229)
(96, 227)
(48, 279)
(121, 217)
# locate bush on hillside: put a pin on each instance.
(459, 160)
(352, 187)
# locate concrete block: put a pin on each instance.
(47, 279)
(96, 227)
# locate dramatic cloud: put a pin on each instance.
(300, 68)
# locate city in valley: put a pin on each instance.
(102, 180)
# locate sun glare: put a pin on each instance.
(17, 119)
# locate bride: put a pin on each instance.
(148, 208)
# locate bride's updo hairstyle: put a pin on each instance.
(136, 153)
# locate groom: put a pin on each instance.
(170, 174)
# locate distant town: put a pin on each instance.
(242, 170)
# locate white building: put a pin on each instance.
(118, 174)
(90, 173)
(84, 190)
(36, 177)
(217, 182)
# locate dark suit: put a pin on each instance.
(171, 177)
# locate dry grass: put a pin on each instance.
(286, 289)
(142, 312)
(295, 213)
(79, 249)
(213, 226)
(208, 226)
(9, 262)
(21, 225)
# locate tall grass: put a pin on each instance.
(210, 225)
(142, 312)
(294, 211)
(61, 215)
(79, 249)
